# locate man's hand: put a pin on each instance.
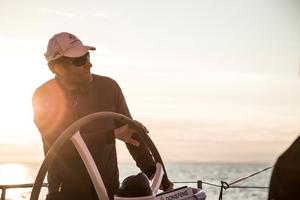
(124, 133)
(141, 125)
(168, 186)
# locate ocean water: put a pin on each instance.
(19, 173)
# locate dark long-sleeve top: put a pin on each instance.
(55, 108)
(285, 178)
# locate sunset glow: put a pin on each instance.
(212, 81)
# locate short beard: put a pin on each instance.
(75, 82)
(82, 81)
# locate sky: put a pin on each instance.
(213, 81)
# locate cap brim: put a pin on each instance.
(78, 51)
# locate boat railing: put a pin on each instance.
(223, 186)
(16, 186)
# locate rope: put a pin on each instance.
(215, 185)
(207, 183)
(246, 177)
(248, 187)
(224, 185)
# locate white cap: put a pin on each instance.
(65, 44)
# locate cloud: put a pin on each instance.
(105, 16)
(18, 43)
(62, 13)
(70, 15)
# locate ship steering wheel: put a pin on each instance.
(72, 132)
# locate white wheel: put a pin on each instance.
(85, 155)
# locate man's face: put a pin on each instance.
(78, 69)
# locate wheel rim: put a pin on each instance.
(73, 128)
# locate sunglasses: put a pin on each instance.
(76, 62)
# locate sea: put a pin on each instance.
(182, 174)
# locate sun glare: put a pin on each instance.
(12, 173)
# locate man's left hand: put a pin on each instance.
(141, 126)
(124, 133)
